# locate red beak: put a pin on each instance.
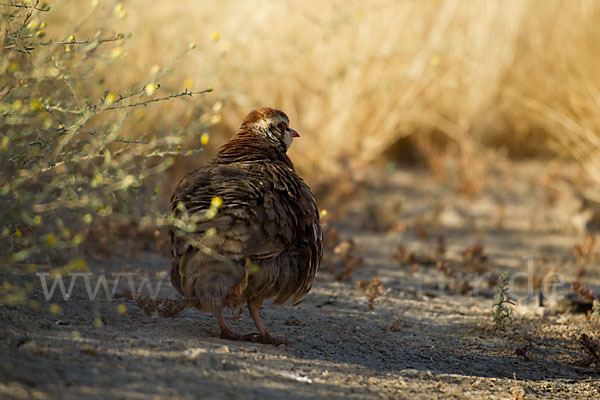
(293, 133)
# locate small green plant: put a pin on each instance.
(501, 313)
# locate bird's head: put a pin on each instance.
(271, 125)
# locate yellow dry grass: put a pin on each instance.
(356, 76)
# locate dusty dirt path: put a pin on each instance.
(428, 334)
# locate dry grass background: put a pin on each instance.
(355, 77)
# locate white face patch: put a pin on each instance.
(268, 126)
(287, 139)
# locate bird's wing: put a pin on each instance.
(266, 210)
(313, 243)
(235, 211)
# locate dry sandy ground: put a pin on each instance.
(422, 339)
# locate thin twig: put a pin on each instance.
(63, 110)
(121, 97)
(172, 63)
(119, 37)
(64, 79)
(81, 21)
(92, 156)
(144, 103)
(54, 116)
(130, 141)
(25, 6)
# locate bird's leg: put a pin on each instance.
(263, 335)
(225, 331)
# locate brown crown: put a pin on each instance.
(262, 114)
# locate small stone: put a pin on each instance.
(222, 349)
(193, 353)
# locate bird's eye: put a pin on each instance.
(282, 126)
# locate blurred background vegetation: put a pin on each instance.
(98, 122)
(358, 77)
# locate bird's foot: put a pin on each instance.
(264, 339)
(227, 334)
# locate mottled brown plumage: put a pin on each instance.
(246, 226)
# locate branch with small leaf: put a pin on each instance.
(501, 313)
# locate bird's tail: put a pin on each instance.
(213, 284)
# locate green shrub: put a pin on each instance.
(69, 150)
